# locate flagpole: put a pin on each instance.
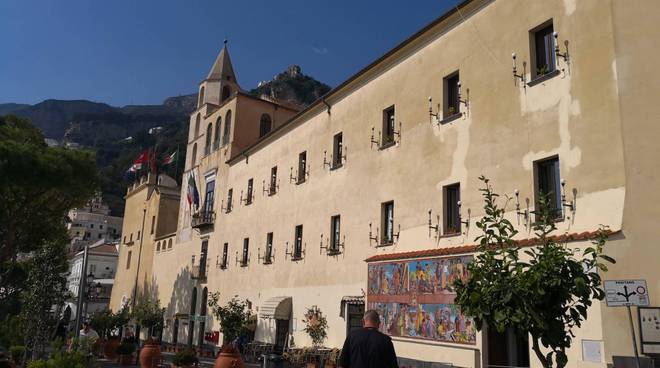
(176, 166)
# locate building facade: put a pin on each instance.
(93, 222)
(292, 203)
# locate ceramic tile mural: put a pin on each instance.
(416, 299)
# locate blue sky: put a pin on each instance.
(142, 51)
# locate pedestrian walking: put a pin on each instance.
(367, 347)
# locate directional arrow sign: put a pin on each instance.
(621, 293)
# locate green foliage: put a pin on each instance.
(63, 359)
(17, 353)
(232, 317)
(546, 295)
(125, 348)
(148, 313)
(105, 321)
(185, 357)
(316, 325)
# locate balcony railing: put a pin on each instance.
(198, 272)
(203, 219)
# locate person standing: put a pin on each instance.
(367, 347)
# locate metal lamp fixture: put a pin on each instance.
(522, 76)
(460, 216)
(519, 213)
(568, 204)
(436, 227)
(465, 102)
(565, 55)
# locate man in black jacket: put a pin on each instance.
(368, 347)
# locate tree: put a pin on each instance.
(148, 313)
(316, 325)
(45, 288)
(546, 295)
(232, 318)
(38, 185)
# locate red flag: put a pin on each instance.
(137, 164)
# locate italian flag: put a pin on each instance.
(169, 159)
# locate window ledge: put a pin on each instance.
(228, 211)
(385, 244)
(451, 118)
(542, 78)
(450, 235)
(297, 258)
(272, 193)
(244, 264)
(334, 252)
(336, 166)
(387, 145)
(267, 262)
(298, 182)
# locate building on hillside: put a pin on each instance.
(100, 274)
(150, 217)
(91, 223)
(378, 171)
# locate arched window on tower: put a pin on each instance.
(209, 133)
(193, 156)
(226, 91)
(216, 138)
(227, 131)
(201, 97)
(265, 125)
(197, 121)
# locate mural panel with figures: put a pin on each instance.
(416, 299)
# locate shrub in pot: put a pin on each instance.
(125, 351)
(233, 319)
(185, 359)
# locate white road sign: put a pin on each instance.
(621, 293)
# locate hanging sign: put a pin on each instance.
(622, 293)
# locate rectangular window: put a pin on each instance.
(124, 238)
(128, 259)
(548, 183)
(138, 235)
(451, 103)
(131, 238)
(208, 198)
(153, 223)
(337, 150)
(452, 222)
(101, 227)
(302, 167)
(388, 126)
(91, 226)
(225, 253)
(387, 222)
(269, 247)
(246, 250)
(335, 233)
(202, 257)
(298, 244)
(272, 189)
(250, 188)
(542, 50)
(230, 197)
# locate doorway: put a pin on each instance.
(507, 349)
(175, 332)
(281, 333)
(355, 313)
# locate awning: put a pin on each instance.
(349, 300)
(278, 307)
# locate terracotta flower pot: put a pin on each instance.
(229, 357)
(150, 354)
(110, 348)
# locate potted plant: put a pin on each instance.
(184, 359)
(149, 314)
(233, 318)
(125, 351)
(333, 358)
(316, 326)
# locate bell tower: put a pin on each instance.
(220, 84)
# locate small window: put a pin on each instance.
(335, 233)
(101, 227)
(337, 150)
(91, 226)
(298, 243)
(250, 189)
(138, 235)
(198, 120)
(124, 238)
(216, 138)
(302, 167)
(452, 221)
(131, 237)
(542, 50)
(269, 247)
(548, 183)
(272, 189)
(208, 140)
(387, 222)
(158, 247)
(227, 130)
(128, 259)
(100, 235)
(246, 251)
(193, 157)
(169, 244)
(153, 223)
(225, 253)
(265, 125)
(226, 92)
(230, 198)
(388, 126)
(201, 97)
(451, 104)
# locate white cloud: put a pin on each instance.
(320, 50)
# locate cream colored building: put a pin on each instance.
(579, 122)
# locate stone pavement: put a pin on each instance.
(167, 358)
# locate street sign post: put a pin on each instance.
(625, 293)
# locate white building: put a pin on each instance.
(92, 223)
